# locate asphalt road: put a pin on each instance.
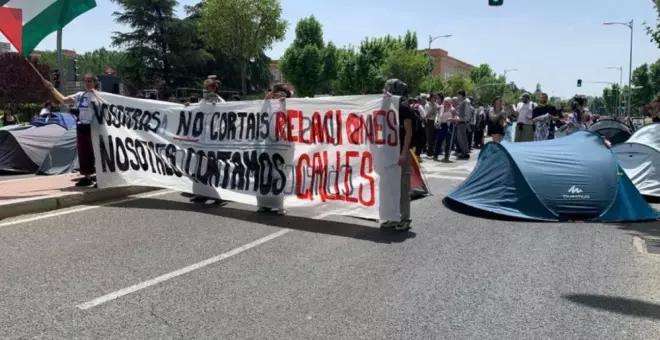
(451, 277)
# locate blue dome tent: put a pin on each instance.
(574, 178)
(65, 120)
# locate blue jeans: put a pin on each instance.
(442, 134)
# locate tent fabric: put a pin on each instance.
(62, 157)
(640, 159)
(23, 151)
(575, 178)
(615, 131)
(16, 127)
(418, 186)
(64, 120)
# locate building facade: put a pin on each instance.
(445, 66)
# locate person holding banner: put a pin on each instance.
(268, 203)
(398, 88)
(210, 96)
(84, 102)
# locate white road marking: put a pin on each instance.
(145, 284)
(83, 208)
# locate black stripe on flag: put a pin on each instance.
(3, 2)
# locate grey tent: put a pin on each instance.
(615, 131)
(62, 157)
(23, 151)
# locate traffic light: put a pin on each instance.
(579, 83)
(72, 70)
(56, 79)
(495, 2)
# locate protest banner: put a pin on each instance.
(341, 152)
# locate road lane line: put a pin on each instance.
(145, 284)
(83, 208)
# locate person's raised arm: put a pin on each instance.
(70, 100)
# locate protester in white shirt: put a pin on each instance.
(525, 122)
(85, 102)
(431, 108)
(444, 124)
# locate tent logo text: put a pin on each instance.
(575, 193)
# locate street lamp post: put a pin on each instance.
(509, 70)
(618, 105)
(629, 25)
(432, 38)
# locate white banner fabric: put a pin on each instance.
(274, 153)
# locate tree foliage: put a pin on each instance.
(89, 62)
(654, 30)
(646, 86)
(19, 83)
(304, 62)
(243, 29)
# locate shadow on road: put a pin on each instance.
(648, 230)
(617, 305)
(334, 228)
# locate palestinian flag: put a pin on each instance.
(26, 23)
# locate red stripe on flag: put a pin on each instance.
(11, 25)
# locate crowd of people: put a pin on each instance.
(459, 124)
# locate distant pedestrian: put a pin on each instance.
(432, 107)
(480, 126)
(498, 120)
(464, 112)
(444, 123)
(525, 123)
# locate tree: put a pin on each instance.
(19, 83)
(406, 65)
(89, 62)
(243, 29)
(433, 84)
(488, 84)
(654, 31)
(148, 45)
(303, 62)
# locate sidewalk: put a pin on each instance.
(44, 193)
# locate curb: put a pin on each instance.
(66, 200)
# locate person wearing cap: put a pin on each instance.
(398, 88)
(525, 121)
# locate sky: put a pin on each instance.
(552, 43)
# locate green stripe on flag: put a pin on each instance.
(51, 19)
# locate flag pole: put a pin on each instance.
(60, 64)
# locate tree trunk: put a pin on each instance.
(243, 78)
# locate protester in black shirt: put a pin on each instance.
(398, 88)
